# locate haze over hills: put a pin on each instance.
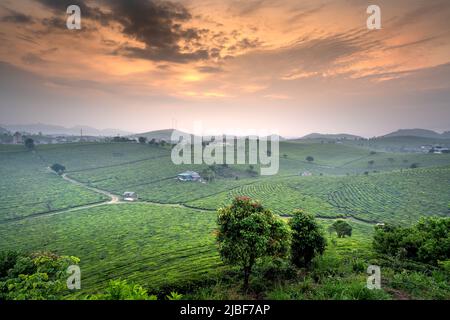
(422, 133)
(331, 136)
(60, 130)
(166, 134)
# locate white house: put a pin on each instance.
(130, 196)
(189, 176)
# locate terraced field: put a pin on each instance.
(149, 244)
(84, 156)
(278, 196)
(398, 197)
(28, 188)
(172, 242)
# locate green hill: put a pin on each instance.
(160, 135)
(422, 133)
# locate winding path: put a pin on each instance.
(113, 198)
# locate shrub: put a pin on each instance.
(58, 168)
(428, 241)
(307, 239)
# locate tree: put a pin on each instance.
(152, 141)
(342, 228)
(428, 241)
(414, 165)
(309, 158)
(371, 162)
(58, 168)
(307, 239)
(208, 174)
(29, 144)
(142, 140)
(248, 232)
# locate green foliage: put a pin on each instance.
(174, 296)
(309, 158)
(248, 232)
(342, 228)
(122, 290)
(40, 276)
(421, 286)
(428, 241)
(8, 260)
(307, 239)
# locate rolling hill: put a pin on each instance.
(339, 136)
(159, 135)
(421, 133)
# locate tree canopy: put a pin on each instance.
(248, 232)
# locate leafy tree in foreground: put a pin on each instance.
(307, 239)
(342, 228)
(40, 276)
(248, 232)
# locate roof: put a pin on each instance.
(189, 173)
(129, 193)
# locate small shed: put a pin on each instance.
(306, 174)
(189, 176)
(130, 196)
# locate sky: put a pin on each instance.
(288, 67)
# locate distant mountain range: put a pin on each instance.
(422, 133)
(60, 130)
(166, 134)
(339, 136)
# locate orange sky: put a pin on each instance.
(289, 66)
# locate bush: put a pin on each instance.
(428, 241)
(307, 239)
(58, 168)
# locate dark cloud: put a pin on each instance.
(59, 8)
(17, 17)
(157, 24)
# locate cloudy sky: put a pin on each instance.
(291, 67)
